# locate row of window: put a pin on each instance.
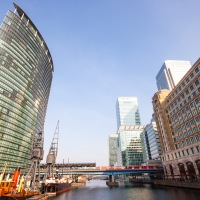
(182, 86)
(185, 102)
(184, 153)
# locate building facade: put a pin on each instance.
(127, 111)
(130, 145)
(113, 149)
(177, 115)
(26, 70)
(151, 144)
(171, 73)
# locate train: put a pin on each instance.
(135, 167)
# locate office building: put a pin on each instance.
(151, 144)
(127, 111)
(26, 70)
(171, 73)
(130, 145)
(113, 149)
(177, 116)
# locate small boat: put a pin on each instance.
(14, 188)
(53, 187)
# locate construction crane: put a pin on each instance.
(51, 157)
(36, 157)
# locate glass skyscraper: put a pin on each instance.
(26, 70)
(127, 111)
(129, 147)
(171, 73)
(113, 149)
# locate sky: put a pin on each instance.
(101, 50)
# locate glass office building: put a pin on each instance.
(26, 70)
(127, 111)
(151, 143)
(113, 149)
(171, 72)
(130, 145)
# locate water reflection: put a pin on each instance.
(97, 190)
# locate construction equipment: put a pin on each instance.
(51, 157)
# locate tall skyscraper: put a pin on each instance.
(171, 73)
(177, 116)
(113, 149)
(127, 111)
(26, 70)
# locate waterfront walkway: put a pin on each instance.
(171, 183)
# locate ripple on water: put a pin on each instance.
(98, 190)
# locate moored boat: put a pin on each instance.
(14, 188)
(52, 187)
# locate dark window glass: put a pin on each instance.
(197, 82)
(196, 69)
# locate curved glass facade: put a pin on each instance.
(26, 70)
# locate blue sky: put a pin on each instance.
(101, 50)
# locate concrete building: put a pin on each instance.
(113, 149)
(26, 70)
(127, 111)
(129, 145)
(171, 73)
(177, 116)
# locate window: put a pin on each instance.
(194, 94)
(197, 82)
(194, 130)
(183, 111)
(192, 150)
(187, 108)
(199, 89)
(192, 105)
(191, 87)
(196, 69)
(191, 140)
(191, 75)
(189, 98)
(194, 112)
(198, 149)
(187, 80)
(187, 151)
(197, 119)
(183, 153)
(187, 91)
(183, 84)
(185, 102)
(197, 101)
(189, 115)
(182, 96)
(192, 122)
(197, 138)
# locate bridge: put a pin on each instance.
(104, 170)
(110, 171)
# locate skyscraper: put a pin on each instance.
(151, 144)
(171, 73)
(26, 70)
(113, 149)
(127, 111)
(130, 145)
(129, 151)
